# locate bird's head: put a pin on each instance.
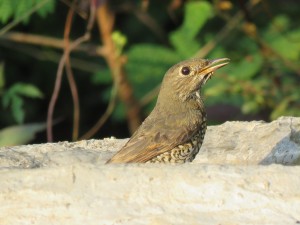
(185, 79)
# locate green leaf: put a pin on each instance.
(6, 10)
(186, 48)
(21, 134)
(279, 24)
(17, 109)
(27, 90)
(147, 65)
(21, 8)
(196, 15)
(13, 96)
(120, 41)
(282, 39)
(285, 47)
(102, 77)
(218, 89)
(49, 7)
(18, 8)
(250, 107)
(247, 67)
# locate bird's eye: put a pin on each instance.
(185, 70)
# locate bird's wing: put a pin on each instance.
(156, 137)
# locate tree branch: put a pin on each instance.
(59, 74)
(50, 42)
(105, 19)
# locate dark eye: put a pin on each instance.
(185, 70)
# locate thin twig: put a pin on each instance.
(75, 98)
(70, 76)
(81, 13)
(50, 42)
(57, 85)
(52, 56)
(116, 62)
(21, 18)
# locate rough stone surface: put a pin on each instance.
(231, 181)
(255, 142)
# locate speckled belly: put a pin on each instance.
(184, 152)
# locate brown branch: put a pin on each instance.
(50, 42)
(81, 13)
(52, 56)
(59, 74)
(75, 98)
(70, 76)
(58, 84)
(105, 19)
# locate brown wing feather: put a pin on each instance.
(156, 137)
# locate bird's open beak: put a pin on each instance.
(213, 65)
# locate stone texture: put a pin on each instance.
(230, 181)
(255, 142)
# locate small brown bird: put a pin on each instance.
(174, 130)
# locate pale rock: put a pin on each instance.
(231, 181)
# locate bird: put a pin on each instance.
(174, 130)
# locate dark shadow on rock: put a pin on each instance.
(286, 151)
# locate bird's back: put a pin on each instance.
(165, 138)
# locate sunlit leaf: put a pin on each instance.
(250, 107)
(196, 15)
(18, 135)
(18, 8)
(6, 10)
(120, 41)
(27, 90)
(282, 39)
(21, 8)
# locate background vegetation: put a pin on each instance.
(78, 69)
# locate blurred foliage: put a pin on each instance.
(120, 41)
(261, 82)
(18, 8)
(20, 134)
(13, 97)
